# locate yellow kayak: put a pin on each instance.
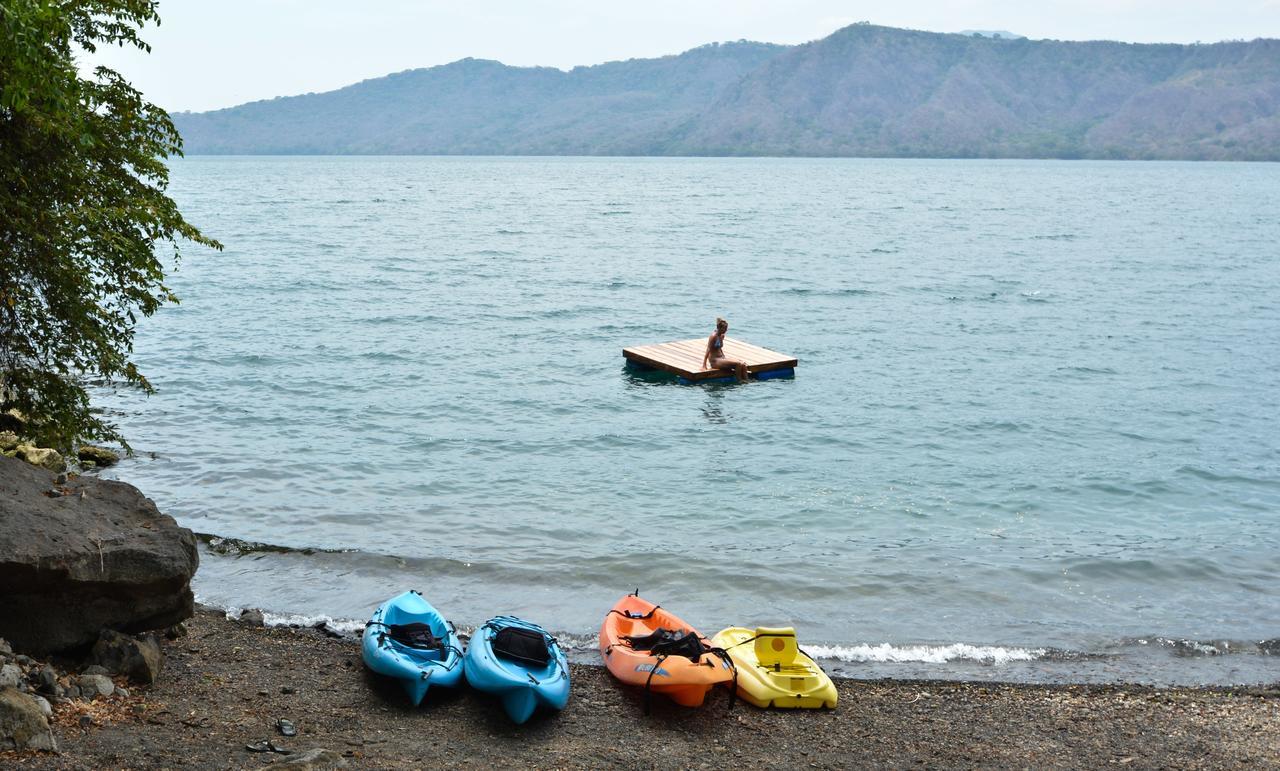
(772, 672)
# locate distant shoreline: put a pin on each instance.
(226, 683)
(863, 91)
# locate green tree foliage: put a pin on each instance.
(82, 211)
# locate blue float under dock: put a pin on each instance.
(683, 358)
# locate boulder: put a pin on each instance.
(137, 659)
(10, 676)
(99, 557)
(23, 725)
(48, 681)
(95, 685)
(100, 456)
(252, 617)
(46, 708)
(42, 457)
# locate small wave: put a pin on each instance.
(1210, 476)
(926, 654)
(383, 356)
(803, 292)
(1004, 426)
(577, 646)
(1188, 648)
(980, 298)
(238, 547)
(1056, 237)
(344, 625)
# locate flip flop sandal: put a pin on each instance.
(287, 728)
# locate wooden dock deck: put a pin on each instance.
(683, 358)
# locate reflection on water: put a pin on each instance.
(714, 413)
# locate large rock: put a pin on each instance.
(98, 455)
(92, 686)
(139, 660)
(10, 676)
(99, 557)
(42, 457)
(23, 725)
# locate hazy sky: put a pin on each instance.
(217, 53)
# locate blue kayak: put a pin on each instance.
(521, 663)
(409, 640)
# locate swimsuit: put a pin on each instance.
(716, 353)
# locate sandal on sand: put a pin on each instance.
(266, 745)
(287, 728)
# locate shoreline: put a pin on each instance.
(225, 683)
(957, 661)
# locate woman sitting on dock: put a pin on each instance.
(715, 352)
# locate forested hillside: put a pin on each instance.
(863, 91)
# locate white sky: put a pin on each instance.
(218, 53)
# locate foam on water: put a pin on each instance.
(345, 625)
(928, 654)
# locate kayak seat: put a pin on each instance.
(669, 642)
(522, 645)
(416, 635)
(776, 647)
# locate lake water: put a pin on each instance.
(1034, 433)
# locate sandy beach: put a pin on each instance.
(225, 684)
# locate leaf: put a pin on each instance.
(83, 205)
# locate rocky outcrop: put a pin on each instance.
(87, 555)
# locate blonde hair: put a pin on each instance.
(721, 323)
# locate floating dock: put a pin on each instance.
(683, 358)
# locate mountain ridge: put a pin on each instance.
(861, 91)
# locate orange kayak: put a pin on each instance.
(645, 645)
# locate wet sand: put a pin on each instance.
(225, 684)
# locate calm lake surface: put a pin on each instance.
(1034, 433)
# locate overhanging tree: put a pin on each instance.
(83, 210)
